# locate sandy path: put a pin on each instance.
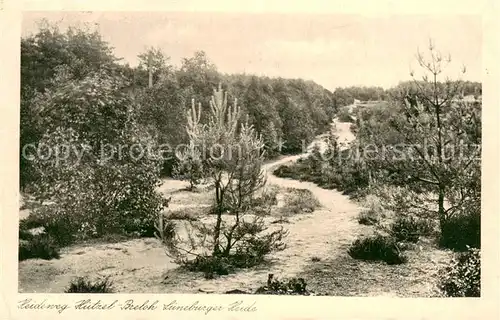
(141, 265)
(321, 234)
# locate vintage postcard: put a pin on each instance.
(274, 159)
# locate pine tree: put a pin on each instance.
(232, 155)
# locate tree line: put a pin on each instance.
(288, 113)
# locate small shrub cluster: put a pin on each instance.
(40, 246)
(374, 211)
(368, 217)
(182, 215)
(85, 285)
(410, 228)
(59, 227)
(463, 277)
(344, 115)
(285, 171)
(293, 286)
(377, 248)
(346, 176)
(210, 265)
(36, 245)
(30, 222)
(249, 253)
(301, 201)
(262, 204)
(461, 231)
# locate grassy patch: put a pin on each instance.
(341, 275)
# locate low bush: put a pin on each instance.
(461, 231)
(250, 252)
(182, 215)
(262, 204)
(344, 115)
(280, 220)
(463, 277)
(210, 265)
(284, 171)
(61, 229)
(84, 285)
(406, 228)
(301, 201)
(377, 248)
(368, 217)
(293, 286)
(40, 246)
(30, 222)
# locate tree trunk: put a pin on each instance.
(150, 72)
(441, 210)
(218, 196)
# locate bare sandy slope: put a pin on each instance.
(141, 265)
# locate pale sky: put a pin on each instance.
(331, 49)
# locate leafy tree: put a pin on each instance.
(80, 51)
(99, 167)
(161, 111)
(440, 149)
(197, 75)
(157, 62)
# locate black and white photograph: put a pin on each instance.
(250, 153)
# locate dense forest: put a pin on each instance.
(287, 112)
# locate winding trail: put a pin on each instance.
(321, 234)
(141, 266)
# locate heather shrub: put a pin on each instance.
(251, 249)
(30, 222)
(210, 265)
(300, 201)
(85, 285)
(406, 228)
(40, 246)
(284, 171)
(344, 115)
(463, 277)
(292, 286)
(60, 227)
(461, 231)
(377, 248)
(183, 214)
(265, 200)
(96, 192)
(368, 217)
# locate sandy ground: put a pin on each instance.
(141, 265)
